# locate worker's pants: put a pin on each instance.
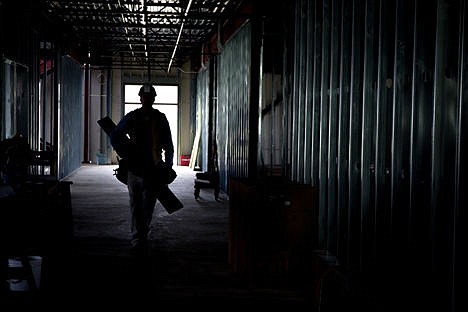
(142, 201)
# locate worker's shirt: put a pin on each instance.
(149, 134)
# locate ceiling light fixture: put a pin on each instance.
(178, 37)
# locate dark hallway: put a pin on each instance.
(336, 130)
(187, 263)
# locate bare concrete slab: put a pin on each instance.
(187, 263)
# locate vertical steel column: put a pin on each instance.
(308, 94)
(287, 91)
(210, 94)
(102, 109)
(343, 126)
(368, 138)
(300, 86)
(324, 104)
(333, 117)
(295, 126)
(354, 144)
(316, 91)
(43, 109)
(254, 96)
(109, 111)
(385, 84)
(86, 116)
(57, 97)
(34, 94)
(401, 124)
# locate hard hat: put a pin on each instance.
(147, 88)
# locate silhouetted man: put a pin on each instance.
(151, 145)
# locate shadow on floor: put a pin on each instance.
(187, 263)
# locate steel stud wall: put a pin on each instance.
(203, 117)
(70, 111)
(233, 106)
(379, 101)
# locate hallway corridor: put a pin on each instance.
(187, 263)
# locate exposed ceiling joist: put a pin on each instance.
(163, 33)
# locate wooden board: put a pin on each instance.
(167, 198)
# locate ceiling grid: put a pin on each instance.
(153, 34)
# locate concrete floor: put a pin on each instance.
(187, 265)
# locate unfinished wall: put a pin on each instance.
(377, 122)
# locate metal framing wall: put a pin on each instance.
(378, 123)
(70, 111)
(203, 115)
(233, 111)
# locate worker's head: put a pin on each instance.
(147, 89)
(147, 94)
